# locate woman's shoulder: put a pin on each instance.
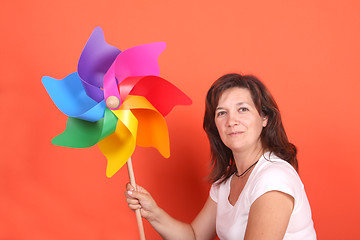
(273, 173)
(272, 165)
(221, 184)
(219, 187)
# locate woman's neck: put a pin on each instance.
(245, 159)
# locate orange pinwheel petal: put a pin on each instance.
(152, 129)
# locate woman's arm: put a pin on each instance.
(204, 224)
(203, 227)
(269, 216)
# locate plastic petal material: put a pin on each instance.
(110, 85)
(119, 146)
(83, 134)
(152, 129)
(139, 123)
(94, 62)
(136, 61)
(132, 77)
(159, 92)
(69, 96)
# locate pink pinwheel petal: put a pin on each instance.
(110, 85)
(136, 61)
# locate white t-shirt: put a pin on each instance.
(270, 174)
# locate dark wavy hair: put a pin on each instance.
(273, 136)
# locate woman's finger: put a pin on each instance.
(129, 187)
(134, 206)
(132, 201)
(128, 194)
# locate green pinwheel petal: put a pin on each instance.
(109, 125)
(82, 134)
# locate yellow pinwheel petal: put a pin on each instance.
(119, 146)
(128, 119)
(152, 129)
(139, 123)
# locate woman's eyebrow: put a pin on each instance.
(241, 103)
(237, 104)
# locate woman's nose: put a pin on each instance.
(232, 120)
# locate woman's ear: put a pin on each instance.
(265, 121)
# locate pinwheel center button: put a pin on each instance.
(112, 102)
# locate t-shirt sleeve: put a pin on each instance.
(214, 192)
(276, 177)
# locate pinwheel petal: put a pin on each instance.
(152, 129)
(83, 134)
(119, 146)
(136, 61)
(163, 95)
(94, 62)
(69, 96)
(110, 85)
(139, 61)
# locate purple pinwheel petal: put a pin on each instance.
(93, 92)
(95, 60)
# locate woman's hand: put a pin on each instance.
(168, 227)
(141, 199)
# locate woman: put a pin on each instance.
(256, 192)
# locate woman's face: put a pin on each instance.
(237, 120)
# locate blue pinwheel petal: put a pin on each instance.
(70, 97)
(94, 62)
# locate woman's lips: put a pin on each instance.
(235, 133)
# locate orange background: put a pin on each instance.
(307, 52)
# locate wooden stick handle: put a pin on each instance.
(137, 211)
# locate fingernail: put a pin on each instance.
(130, 192)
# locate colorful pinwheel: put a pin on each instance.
(116, 100)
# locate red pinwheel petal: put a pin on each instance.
(159, 92)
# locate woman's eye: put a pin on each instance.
(243, 109)
(218, 114)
